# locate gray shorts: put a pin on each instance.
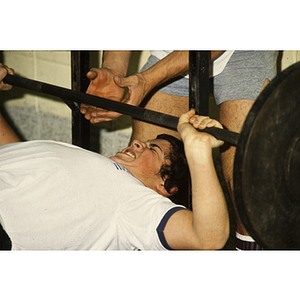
(242, 78)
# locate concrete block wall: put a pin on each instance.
(34, 115)
(289, 57)
(49, 66)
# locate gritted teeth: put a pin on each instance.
(130, 153)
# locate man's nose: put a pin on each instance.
(138, 144)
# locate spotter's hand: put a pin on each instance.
(4, 70)
(136, 85)
(189, 122)
(102, 85)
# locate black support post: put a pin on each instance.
(199, 81)
(192, 79)
(80, 65)
(198, 86)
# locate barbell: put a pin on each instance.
(267, 160)
(140, 113)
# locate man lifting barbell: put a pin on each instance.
(267, 159)
(47, 202)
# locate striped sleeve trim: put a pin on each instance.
(161, 227)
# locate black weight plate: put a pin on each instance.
(267, 165)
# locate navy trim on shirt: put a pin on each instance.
(160, 228)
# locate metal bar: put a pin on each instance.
(133, 111)
(80, 65)
(199, 81)
(192, 80)
(203, 82)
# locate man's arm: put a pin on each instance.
(140, 84)
(114, 63)
(171, 66)
(207, 227)
(7, 135)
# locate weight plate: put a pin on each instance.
(267, 165)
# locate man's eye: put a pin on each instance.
(152, 148)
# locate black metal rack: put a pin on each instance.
(80, 65)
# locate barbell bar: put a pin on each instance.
(140, 113)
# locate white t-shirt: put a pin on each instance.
(58, 196)
(216, 66)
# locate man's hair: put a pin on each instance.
(176, 174)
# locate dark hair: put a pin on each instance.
(177, 173)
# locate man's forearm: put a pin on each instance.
(210, 215)
(171, 66)
(117, 61)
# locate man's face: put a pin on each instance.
(144, 160)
